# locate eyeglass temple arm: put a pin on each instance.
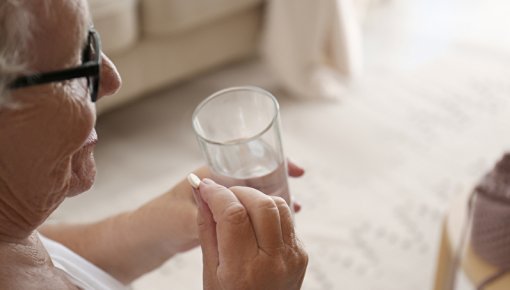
(85, 70)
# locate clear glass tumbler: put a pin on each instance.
(238, 130)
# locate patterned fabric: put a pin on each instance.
(490, 234)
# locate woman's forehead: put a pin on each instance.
(59, 31)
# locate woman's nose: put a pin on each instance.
(110, 78)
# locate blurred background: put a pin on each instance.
(385, 154)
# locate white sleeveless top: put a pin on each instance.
(80, 272)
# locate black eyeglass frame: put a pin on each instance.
(90, 69)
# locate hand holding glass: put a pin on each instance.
(238, 130)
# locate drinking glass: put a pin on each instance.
(238, 130)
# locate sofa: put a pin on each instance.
(156, 43)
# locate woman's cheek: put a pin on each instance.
(80, 111)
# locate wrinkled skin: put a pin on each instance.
(47, 138)
(46, 154)
(46, 143)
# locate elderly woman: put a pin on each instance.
(51, 73)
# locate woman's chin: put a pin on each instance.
(80, 186)
(84, 172)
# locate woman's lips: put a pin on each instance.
(91, 139)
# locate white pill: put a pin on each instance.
(194, 180)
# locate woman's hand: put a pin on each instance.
(295, 171)
(248, 240)
(178, 205)
(134, 243)
(169, 219)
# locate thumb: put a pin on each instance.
(208, 241)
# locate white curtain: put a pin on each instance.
(313, 46)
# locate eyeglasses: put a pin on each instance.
(90, 69)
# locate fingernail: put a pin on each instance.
(208, 181)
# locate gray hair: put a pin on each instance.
(15, 19)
